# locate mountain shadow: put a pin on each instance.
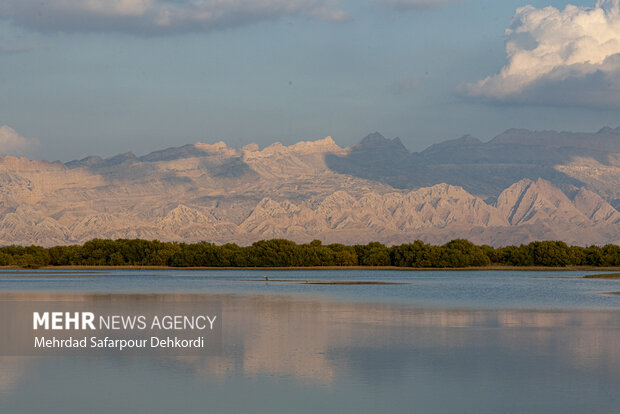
(483, 169)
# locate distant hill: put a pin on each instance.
(518, 187)
(568, 160)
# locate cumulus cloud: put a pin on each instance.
(405, 5)
(161, 16)
(567, 57)
(11, 143)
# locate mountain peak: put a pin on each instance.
(218, 146)
(376, 141)
(464, 141)
(253, 147)
(120, 158)
(89, 161)
(469, 139)
(326, 144)
(323, 145)
(609, 131)
(373, 138)
(512, 136)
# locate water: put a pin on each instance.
(445, 342)
(444, 289)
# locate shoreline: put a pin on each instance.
(16, 269)
(608, 276)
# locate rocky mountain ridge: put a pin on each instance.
(221, 194)
(568, 160)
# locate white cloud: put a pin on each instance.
(417, 4)
(567, 57)
(161, 16)
(11, 143)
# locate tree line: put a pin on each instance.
(285, 253)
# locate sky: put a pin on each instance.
(82, 77)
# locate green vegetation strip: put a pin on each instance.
(279, 253)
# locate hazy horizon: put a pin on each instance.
(4, 131)
(111, 77)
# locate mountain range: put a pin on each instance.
(520, 186)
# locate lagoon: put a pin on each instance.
(443, 342)
(478, 289)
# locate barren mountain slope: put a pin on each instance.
(221, 194)
(568, 160)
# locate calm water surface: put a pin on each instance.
(445, 342)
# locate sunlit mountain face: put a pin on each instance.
(518, 187)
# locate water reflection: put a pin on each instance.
(359, 355)
(11, 372)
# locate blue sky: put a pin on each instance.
(80, 77)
